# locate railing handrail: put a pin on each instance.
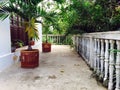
(114, 35)
(95, 49)
(53, 35)
(58, 39)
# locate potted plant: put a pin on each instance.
(32, 42)
(30, 11)
(30, 57)
(46, 46)
(47, 24)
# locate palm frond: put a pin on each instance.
(3, 16)
(31, 29)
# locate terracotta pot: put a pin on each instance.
(32, 43)
(46, 47)
(29, 59)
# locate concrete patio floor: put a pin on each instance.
(61, 69)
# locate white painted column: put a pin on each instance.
(117, 66)
(106, 60)
(98, 56)
(102, 57)
(111, 67)
(95, 54)
(38, 43)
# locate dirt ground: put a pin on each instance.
(61, 69)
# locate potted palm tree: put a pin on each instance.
(29, 10)
(49, 24)
(46, 45)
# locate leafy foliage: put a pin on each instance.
(29, 10)
(94, 16)
(31, 29)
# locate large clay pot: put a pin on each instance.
(46, 47)
(29, 59)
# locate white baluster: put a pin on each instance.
(83, 46)
(98, 56)
(77, 43)
(111, 67)
(102, 57)
(95, 54)
(59, 40)
(118, 67)
(80, 44)
(88, 50)
(91, 52)
(85, 53)
(73, 39)
(106, 60)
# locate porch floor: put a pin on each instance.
(61, 69)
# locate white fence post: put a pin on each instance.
(106, 59)
(88, 51)
(102, 57)
(83, 46)
(91, 53)
(98, 56)
(95, 55)
(111, 67)
(118, 67)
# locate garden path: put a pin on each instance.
(61, 69)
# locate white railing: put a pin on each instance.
(96, 48)
(57, 39)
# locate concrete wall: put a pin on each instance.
(5, 45)
(38, 44)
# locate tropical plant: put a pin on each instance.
(29, 10)
(94, 16)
